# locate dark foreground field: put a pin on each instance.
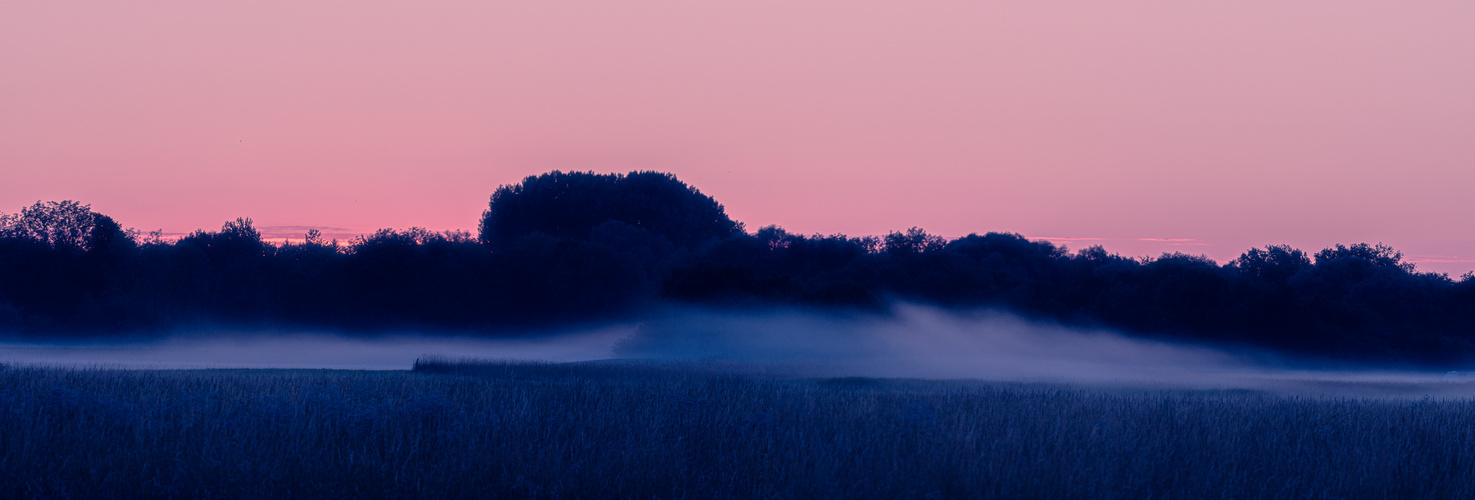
(668, 431)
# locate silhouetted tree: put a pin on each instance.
(546, 278)
(61, 225)
(571, 205)
(649, 252)
(1275, 264)
(913, 241)
(1007, 268)
(234, 265)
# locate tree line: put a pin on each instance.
(564, 248)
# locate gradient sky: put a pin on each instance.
(1204, 127)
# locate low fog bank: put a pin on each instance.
(911, 342)
(924, 342)
(312, 350)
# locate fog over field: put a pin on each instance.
(913, 342)
(916, 341)
(228, 349)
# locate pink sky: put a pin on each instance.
(1141, 126)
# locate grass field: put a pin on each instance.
(449, 430)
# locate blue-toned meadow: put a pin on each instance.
(648, 431)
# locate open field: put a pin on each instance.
(673, 430)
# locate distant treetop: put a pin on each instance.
(66, 225)
(571, 205)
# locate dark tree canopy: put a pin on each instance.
(1275, 263)
(571, 205)
(583, 247)
(62, 225)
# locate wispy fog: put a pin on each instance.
(913, 342)
(312, 350)
(924, 342)
(916, 341)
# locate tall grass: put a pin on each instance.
(605, 430)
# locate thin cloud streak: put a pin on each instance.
(1445, 259)
(1054, 238)
(298, 233)
(1118, 242)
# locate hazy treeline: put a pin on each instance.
(570, 247)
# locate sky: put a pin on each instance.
(1142, 126)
